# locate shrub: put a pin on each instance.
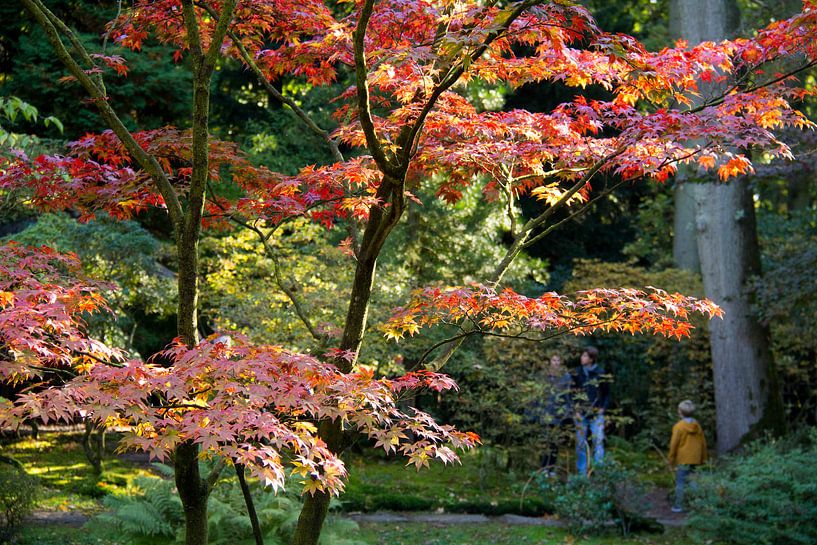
(767, 496)
(610, 495)
(18, 490)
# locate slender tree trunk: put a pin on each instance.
(381, 221)
(747, 395)
(248, 501)
(193, 492)
(94, 446)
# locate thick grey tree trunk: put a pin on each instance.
(695, 21)
(684, 243)
(746, 389)
(747, 397)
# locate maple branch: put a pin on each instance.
(111, 27)
(477, 330)
(519, 242)
(530, 242)
(145, 160)
(191, 25)
(297, 110)
(78, 47)
(363, 103)
(409, 137)
(456, 338)
(289, 292)
(508, 189)
(215, 473)
(222, 27)
(722, 98)
(545, 232)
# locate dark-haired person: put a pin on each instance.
(591, 396)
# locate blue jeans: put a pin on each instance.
(596, 425)
(682, 475)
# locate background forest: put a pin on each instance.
(632, 235)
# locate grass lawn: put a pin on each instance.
(68, 483)
(473, 487)
(408, 534)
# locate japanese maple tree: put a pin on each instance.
(407, 121)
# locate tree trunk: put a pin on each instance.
(193, 493)
(381, 221)
(747, 395)
(695, 21)
(684, 244)
(94, 446)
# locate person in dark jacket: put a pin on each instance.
(556, 411)
(591, 396)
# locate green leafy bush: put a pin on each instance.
(767, 496)
(18, 490)
(610, 495)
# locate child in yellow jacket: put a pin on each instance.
(687, 449)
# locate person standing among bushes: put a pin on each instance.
(687, 450)
(592, 395)
(556, 411)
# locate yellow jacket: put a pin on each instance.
(688, 444)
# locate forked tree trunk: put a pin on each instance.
(747, 395)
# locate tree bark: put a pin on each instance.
(747, 396)
(695, 21)
(193, 491)
(684, 244)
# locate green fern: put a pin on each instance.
(155, 509)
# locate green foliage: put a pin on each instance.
(504, 386)
(153, 513)
(610, 494)
(12, 109)
(270, 132)
(18, 492)
(653, 246)
(149, 97)
(787, 302)
(766, 496)
(122, 252)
